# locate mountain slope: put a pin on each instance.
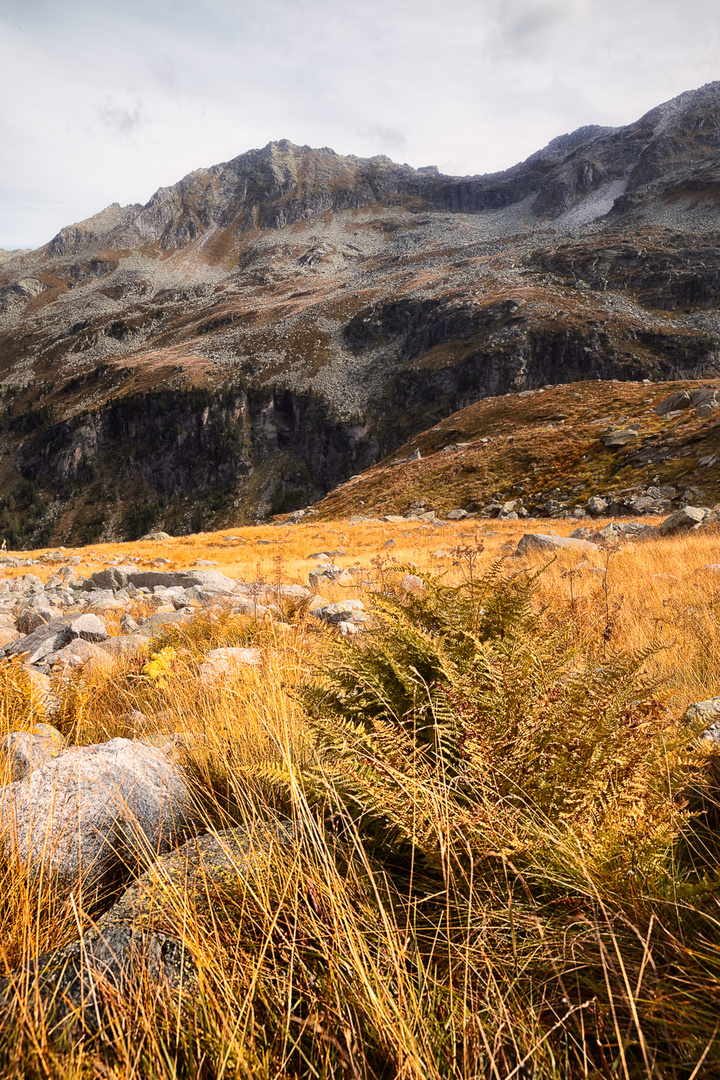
(266, 327)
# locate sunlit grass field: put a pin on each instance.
(503, 860)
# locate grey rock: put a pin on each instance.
(457, 515)
(111, 578)
(684, 518)
(674, 403)
(31, 616)
(533, 542)
(707, 711)
(88, 627)
(93, 812)
(413, 585)
(336, 613)
(45, 639)
(414, 455)
(80, 984)
(127, 646)
(619, 438)
(212, 581)
(156, 622)
(329, 572)
(76, 654)
(220, 662)
(627, 530)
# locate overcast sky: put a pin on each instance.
(106, 100)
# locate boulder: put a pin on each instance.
(88, 627)
(212, 581)
(619, 438)
(158, 535)
(674, 403)
(330, 572)
(79, 654)
(627, 530)
(708, 711)
(545, 542)
(684, 518)
(44, 640)
(139, 939)
(33, 615)
(413, 585)
(219, 662)
(92, 813)
(111, 578)
(126, 646)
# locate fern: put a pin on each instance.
(466, 718)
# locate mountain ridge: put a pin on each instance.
(317, 311)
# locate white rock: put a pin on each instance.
(224, 661)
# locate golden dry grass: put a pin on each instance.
(342, 984)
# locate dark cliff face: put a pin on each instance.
(184, 447)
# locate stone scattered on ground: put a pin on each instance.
(329, 572)
(684, 518)
(707, 711)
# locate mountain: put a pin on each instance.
(264, 328)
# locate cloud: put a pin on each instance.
(385, 138)
(474, 86)
(119, 118)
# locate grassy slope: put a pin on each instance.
(322, 970)
(533, 445)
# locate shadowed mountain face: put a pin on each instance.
(266, 327)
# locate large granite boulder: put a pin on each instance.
(93, 813)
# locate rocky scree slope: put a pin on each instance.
(265, 328)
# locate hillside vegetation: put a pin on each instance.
(546, 444)
(479, 837)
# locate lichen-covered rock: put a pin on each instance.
(708, 711)
(342, 611)
(93, 812)
(413, 585)
(329, 572)
(139, 940)
(620, 437)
